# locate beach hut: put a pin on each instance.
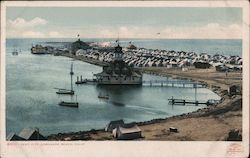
(13, 137)
(127, 132)
(31, 134)
(113, 124)
(201, 65)
(80, 52)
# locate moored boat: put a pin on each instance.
(69, 104)
(67, 91)
(103, 96)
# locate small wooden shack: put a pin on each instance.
(13, 137)
(113, 124)
(31, 134)
(127, 132)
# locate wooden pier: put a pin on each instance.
(183, 102)
(171, 83)
(153, 83)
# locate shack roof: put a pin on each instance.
(26, 133)
(117, 121)
(13, 136)
(134, 129)
(29, 133)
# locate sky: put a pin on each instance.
(124, 22)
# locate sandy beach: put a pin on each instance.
(212, 123)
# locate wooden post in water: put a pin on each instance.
(81, 78)
(172, 100)
(71, 75)
(195, 87)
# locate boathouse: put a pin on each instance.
(31, 134)
(113, 124)
(127, 132)
(118, 72)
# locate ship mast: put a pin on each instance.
(71, 75)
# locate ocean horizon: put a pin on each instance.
(227, 47)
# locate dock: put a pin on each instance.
(184, 102)
(171, 83)
(152, 83)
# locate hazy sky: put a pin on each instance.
(137, 22)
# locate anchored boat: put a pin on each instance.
(69, 104)
(67, 91)
(103, 96)
(64, 91)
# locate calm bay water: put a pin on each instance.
(31, 100)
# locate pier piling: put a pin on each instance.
(184, 102)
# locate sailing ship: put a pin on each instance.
(70, 104)
(67, 91)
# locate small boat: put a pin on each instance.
(81, 81)
(67, 91)
(15, 52)
(69, 104)
(103, 96)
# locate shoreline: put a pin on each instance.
(215, 81)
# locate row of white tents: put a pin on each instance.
(162, 58)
